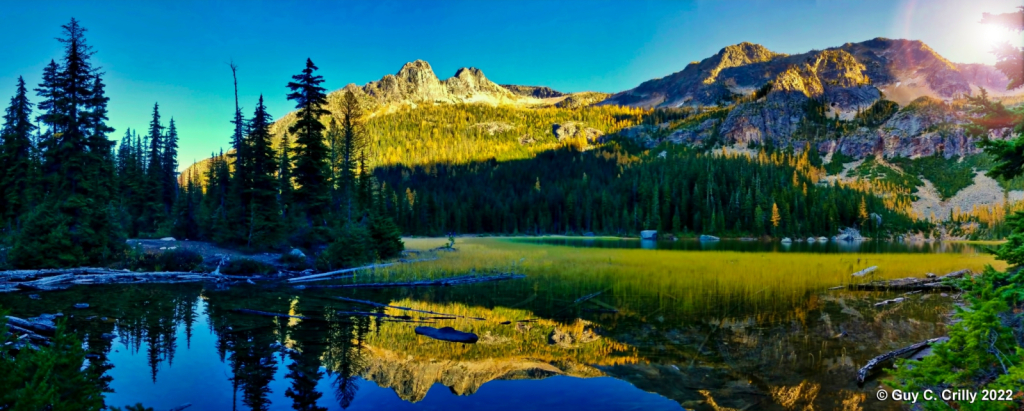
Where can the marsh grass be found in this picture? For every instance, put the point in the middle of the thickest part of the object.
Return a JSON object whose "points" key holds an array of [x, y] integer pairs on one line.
{"points": [[676, 282]]}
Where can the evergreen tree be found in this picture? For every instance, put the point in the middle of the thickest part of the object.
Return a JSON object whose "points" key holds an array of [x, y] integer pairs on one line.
{"points": [[352, 144], [154, 208], [16, 158], [264, 228], [285, 183], [73, 225], [312, 196], [170, 165]]}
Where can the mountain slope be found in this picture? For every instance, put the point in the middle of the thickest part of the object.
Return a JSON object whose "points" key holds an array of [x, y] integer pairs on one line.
{"points": [[903, 69]]}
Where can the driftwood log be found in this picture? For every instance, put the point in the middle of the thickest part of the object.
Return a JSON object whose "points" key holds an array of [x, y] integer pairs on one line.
{"points": [[328, 275], [911, 283], [863, 373], [441, 282], [861, 273], [38, 328], [51, 278]]}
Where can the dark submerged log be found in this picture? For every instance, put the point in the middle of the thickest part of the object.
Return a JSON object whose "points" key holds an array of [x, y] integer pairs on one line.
{"points": [[376, 304], [863, 373], [268, 314], [448, 334]]}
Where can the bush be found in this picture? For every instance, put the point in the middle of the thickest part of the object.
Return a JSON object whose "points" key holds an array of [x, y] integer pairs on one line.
{"points": [[247, 266], [136, 259], [294, 262], [352, 246], [387, 238], [48, 378]]}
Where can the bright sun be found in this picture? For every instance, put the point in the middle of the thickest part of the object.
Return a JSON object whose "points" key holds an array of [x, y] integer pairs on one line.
{"points": [[992, 35]]}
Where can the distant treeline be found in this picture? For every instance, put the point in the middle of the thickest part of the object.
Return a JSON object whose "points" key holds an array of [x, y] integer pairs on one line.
{"points": [[611, 191]]}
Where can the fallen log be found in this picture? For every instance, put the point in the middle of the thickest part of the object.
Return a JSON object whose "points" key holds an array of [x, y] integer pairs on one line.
{"points": [[912, 283], [892, 301], [587, 297], [376, 304], [443, 282], [863, 373], [22, 274], [328, 275], [861, 273], [373, 314], [44, 329], [268, 314], [28, 334]]}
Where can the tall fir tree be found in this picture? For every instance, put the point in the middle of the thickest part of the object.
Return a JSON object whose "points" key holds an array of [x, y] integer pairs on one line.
{"points": [[312, 197], [170, 164], [49, 90], [352, 142], [264, 223], [154, 209], [16, 185]]}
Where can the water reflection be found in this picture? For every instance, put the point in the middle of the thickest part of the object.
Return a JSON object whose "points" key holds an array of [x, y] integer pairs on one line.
{"points": [[188, 344]]}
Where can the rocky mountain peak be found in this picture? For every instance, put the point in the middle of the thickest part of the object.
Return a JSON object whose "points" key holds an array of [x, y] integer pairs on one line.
{"points": [[737, 55]]}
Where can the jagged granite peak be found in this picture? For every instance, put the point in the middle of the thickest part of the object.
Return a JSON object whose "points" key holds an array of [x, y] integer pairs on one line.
{"points": [[736, 55], [533, 91], [902, 69], [416, 82]]}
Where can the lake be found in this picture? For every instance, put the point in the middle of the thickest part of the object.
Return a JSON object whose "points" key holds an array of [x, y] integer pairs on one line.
{"points": [[595, 325]]}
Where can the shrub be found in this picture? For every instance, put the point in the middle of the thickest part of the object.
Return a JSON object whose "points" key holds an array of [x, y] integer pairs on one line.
{"points": [[352, 246], [247, 266], [136, 259], [48, 378], [294, 262], [387, 238]]}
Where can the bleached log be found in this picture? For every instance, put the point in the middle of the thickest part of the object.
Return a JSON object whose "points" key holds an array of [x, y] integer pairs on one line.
{"points": [[29, 325], [892, 301], [861, 273], [442, 282], [863, 373], [328, 275]]}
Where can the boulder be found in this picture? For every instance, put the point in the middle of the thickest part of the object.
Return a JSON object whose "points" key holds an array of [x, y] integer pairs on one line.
{"points": [[876, 218], [822, 239], [295, 252], [574, 129], [447, 334], [81, 305], [786, 240], [850, 235], [708, 238], [811, 239], [168, 239], [649, 235]]}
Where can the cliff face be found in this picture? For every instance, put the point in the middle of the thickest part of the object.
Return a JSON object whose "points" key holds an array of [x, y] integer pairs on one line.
{"points": [[774, 91]]}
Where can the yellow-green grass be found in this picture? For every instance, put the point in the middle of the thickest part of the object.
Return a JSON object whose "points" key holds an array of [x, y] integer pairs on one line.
{"points": [[691, 282]]}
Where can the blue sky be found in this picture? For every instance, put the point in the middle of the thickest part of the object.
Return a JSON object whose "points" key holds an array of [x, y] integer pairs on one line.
{"points": [[176, 53]]}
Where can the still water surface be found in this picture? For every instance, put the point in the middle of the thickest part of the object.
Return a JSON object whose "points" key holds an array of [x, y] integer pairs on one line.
{"points": [[182, 343]]}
